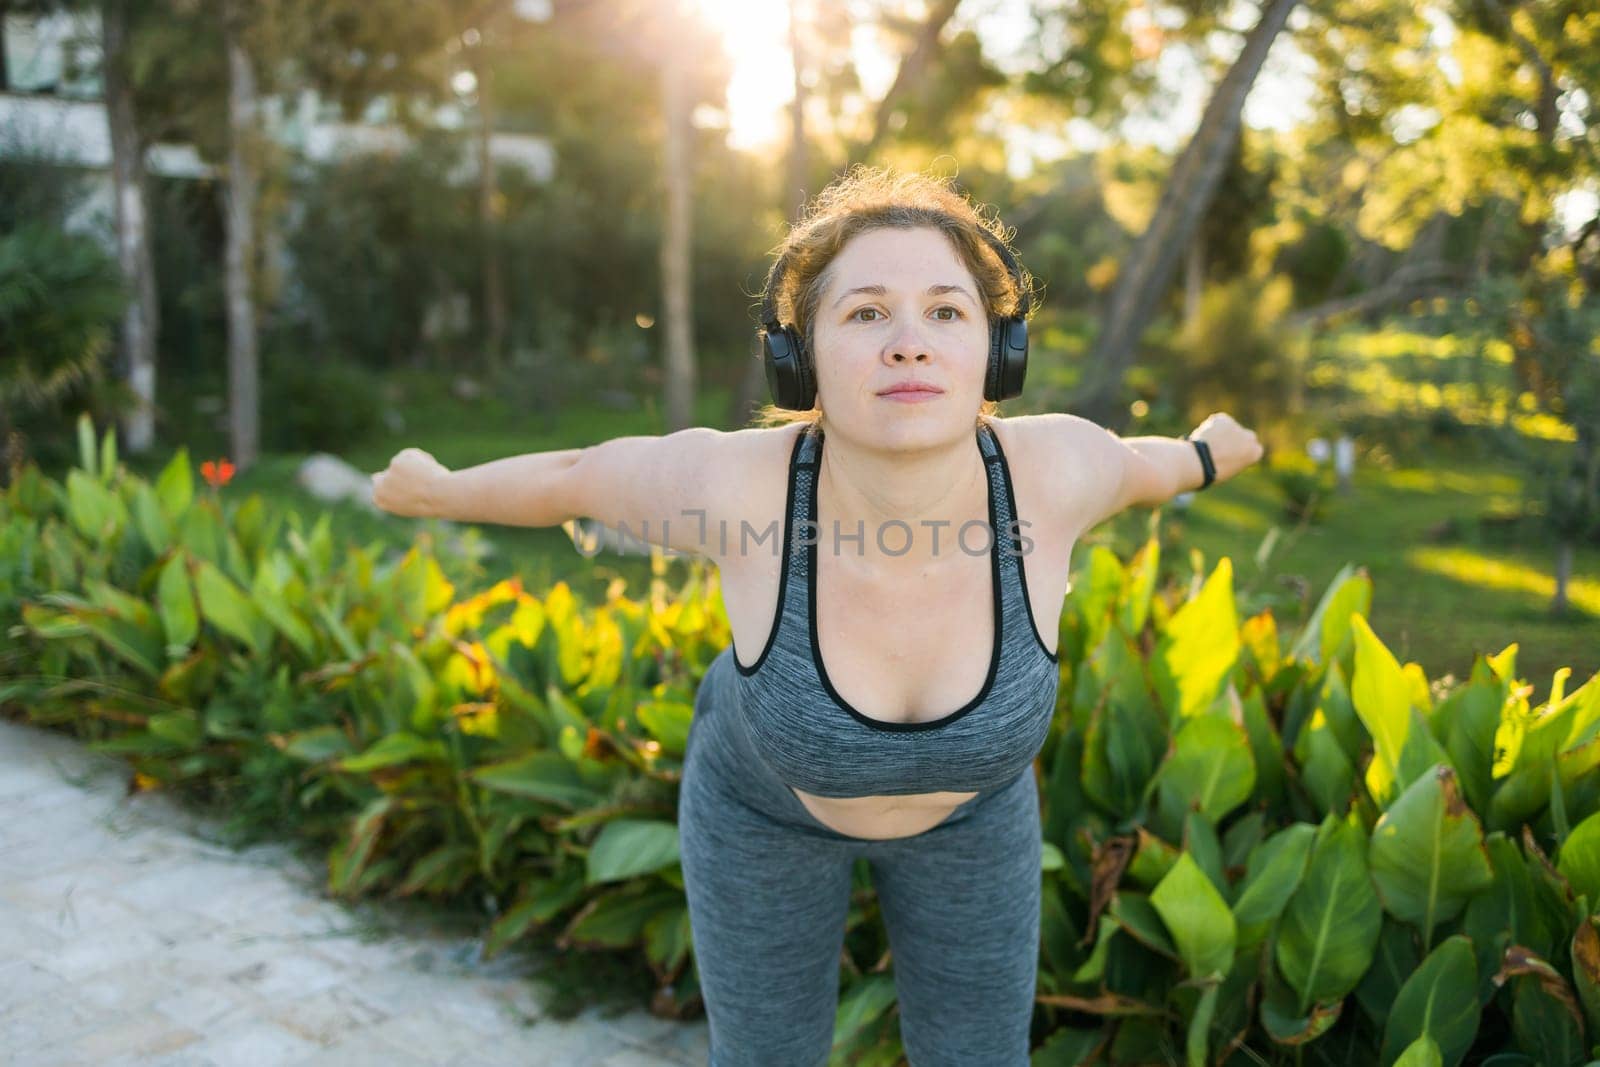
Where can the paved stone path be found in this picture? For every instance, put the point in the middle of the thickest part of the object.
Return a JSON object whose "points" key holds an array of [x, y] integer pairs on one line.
{"points": [[125, 937]]}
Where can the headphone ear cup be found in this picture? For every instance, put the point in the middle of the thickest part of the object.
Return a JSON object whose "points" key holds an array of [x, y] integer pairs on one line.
{"points": [[788, 377], [1008, 359]]}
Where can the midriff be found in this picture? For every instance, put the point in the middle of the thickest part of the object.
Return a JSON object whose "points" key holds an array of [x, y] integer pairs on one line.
{"points": [[878, 818]]}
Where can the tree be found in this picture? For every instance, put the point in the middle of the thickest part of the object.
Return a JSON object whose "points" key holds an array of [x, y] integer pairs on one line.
{"points": [[244, 373], [676, 253], [141, 324], [1147, 270]]}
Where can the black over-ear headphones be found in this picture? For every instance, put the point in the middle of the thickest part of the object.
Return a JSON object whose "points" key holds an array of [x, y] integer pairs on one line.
{"points": [[792, 379]]}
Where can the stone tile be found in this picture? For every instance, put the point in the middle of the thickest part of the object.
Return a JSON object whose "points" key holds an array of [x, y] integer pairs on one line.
{"points": [[19, 934], [78, 912], [639, 1028], [125, 989], [290, 973], [255, 1043], [630, 1057], [130, 1036], [23, 980], [41, 1023], [88, 954], [364, 1052], [431, 1035], [326, 1018], [205, 1006]]}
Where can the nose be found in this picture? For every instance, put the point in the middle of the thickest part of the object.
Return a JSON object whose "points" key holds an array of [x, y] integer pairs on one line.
{"points": [[907, 344]]}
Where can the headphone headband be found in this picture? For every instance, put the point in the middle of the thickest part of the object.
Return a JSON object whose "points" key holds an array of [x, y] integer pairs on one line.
{"points": [[787, 358], [780, 268]]}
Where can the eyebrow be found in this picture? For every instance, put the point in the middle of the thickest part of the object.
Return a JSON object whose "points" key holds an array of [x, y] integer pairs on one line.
{"points": [[880, 290]]}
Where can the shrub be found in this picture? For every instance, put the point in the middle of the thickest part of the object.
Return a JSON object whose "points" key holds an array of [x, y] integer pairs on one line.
{"points": [[1260, 845], [1306, 487], [319, 405]]}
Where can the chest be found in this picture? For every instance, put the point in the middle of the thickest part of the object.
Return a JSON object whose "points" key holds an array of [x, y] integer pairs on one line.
{"points": [[908, 648]]}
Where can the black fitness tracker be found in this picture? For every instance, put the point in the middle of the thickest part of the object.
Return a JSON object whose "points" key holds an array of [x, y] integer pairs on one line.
{"points": [[1206, 465]]}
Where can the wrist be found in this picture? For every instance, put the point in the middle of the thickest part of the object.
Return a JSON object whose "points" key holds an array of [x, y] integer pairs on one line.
{"points": [[1208, 468], [440, 492]]}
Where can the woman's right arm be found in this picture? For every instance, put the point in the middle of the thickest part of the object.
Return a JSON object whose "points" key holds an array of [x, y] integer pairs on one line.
{"points": [[666, 490]]}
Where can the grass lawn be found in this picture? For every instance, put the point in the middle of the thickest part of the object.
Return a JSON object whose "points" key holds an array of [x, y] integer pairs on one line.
{"points": [[1434, 602]]}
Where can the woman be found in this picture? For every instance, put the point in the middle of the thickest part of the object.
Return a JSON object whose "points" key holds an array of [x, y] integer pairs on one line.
{"points": [[893, 600]]}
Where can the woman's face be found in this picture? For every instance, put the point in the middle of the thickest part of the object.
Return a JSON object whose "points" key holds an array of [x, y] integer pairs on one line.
{"points": [[900, 308]]}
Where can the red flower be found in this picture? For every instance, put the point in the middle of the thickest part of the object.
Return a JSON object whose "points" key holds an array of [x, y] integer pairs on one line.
{"points": [[217, 473]]}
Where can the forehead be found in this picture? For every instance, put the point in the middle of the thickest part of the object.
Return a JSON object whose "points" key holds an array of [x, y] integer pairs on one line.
{"points": [[893, 257]]}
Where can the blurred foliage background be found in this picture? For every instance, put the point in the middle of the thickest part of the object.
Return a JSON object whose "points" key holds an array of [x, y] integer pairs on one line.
{"points": [[470, 225]]}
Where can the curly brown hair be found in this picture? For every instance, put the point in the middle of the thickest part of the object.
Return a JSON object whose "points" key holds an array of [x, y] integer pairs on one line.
{"points": [[873, 198]]}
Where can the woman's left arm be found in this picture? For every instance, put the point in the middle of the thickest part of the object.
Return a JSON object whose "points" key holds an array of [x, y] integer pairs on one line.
{"points": [[1149, 471]]}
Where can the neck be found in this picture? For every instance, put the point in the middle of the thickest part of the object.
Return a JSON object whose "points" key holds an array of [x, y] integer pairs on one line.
{"points": [[933, 491]]}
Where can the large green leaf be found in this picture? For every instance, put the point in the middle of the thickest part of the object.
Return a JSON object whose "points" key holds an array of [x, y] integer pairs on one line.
{"points": [[175, 485], [1536, 742], [176, 604], [1284, 1018], [1505, 913], [1133, 608], [1126, 735], [392, 750], [1325, 769], [1423, 1052], [1396, 957], [668, 722], [543, 775], [1210, 767], [625, 848], [1273, 873], [1586, 969], [150, 520], [1427, 854], [1579, 862], [1199, 646], [1545, 1016], [1330, 926], [98, 513], [1439, 1000], [1467, 720], [617, 919], [1383, 695], [1198, 918], [1327, 631], [863, 1003], [224, 606]]}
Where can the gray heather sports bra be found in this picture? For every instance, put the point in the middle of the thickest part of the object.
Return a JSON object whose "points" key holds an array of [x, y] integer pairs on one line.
{"points": [[816, 742]]}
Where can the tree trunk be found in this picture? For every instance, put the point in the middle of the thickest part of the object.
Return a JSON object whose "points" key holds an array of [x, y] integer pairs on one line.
{"points": [[141, 315], [1558, 606], [753, 383], [1194, 279], [1148, 269], [910, 73], [676, 265], [494, 289], [244, 405]]}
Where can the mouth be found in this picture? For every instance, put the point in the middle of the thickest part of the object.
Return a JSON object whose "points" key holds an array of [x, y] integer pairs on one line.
{"points": [[912, 392]]}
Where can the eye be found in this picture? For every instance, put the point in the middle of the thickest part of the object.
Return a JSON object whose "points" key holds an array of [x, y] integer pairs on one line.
{"points": [[956, 312], [855, 315]]}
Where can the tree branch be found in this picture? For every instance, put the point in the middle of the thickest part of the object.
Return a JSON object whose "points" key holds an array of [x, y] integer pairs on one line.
{"points": [[912, 70]]}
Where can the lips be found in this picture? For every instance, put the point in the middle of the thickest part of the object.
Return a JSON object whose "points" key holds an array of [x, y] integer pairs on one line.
{"points": [[912, 389]]}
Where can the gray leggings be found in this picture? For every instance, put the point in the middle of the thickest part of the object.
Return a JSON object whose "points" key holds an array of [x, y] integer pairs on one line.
{"points": [[769, 886]]}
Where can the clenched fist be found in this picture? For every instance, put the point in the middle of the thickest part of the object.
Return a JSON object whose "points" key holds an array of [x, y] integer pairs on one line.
{"points": [[1233, 448], [410, 485]]}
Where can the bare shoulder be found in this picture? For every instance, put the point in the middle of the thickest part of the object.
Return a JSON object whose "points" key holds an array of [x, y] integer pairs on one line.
{"points": [[751, 472], [1071, 463]]}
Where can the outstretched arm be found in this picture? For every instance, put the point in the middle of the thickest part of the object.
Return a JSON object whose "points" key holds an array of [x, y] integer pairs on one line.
{"points": [[1124, 472], [651, 485]]}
